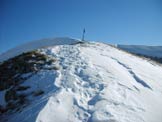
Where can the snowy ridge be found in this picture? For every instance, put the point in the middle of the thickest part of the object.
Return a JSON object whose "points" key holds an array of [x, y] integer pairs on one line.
{"points": [[99, 83], [96, 83], [91, 90], [35, 45]]}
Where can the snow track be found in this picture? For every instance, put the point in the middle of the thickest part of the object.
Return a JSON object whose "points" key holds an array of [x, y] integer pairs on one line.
{"points": [[80, 81]]}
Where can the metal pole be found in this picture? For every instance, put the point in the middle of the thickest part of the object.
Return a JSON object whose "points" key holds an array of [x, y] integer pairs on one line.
{"points": [[83, 34]]}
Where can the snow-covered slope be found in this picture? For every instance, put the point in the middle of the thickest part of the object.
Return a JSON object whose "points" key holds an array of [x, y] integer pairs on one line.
{"points": [[36, 45], [95, 83], [154, 51]]}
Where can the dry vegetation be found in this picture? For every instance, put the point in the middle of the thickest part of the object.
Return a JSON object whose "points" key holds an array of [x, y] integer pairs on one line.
{"points": [[11, 79]]}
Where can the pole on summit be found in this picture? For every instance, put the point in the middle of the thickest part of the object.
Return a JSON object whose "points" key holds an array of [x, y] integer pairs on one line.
{"points": [[83, 34]]}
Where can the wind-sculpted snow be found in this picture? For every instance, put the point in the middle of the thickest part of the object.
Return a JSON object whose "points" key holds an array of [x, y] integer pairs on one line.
{"points": [[99, 83], [97, 88], [134, 75]]}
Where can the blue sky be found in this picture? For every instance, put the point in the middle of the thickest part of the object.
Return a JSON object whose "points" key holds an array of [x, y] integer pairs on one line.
{"points": [[111, 21]]}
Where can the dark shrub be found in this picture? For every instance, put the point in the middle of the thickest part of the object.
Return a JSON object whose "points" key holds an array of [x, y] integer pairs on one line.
{"points": [[10, 105], [10, 95], [22, 88], [2, 109], [38, 92]]}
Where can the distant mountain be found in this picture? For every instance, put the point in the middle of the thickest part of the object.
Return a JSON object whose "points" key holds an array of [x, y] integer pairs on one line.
{"points": [[151, 52], [66, 80], [33, 45], [154, 51]]}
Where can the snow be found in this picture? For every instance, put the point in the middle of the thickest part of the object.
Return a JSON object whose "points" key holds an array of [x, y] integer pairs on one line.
{"points": [[101, 89], [155, 51], [96, 83]]}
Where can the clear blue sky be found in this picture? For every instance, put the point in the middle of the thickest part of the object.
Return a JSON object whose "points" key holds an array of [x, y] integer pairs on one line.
{"points": [[112, 21]]}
